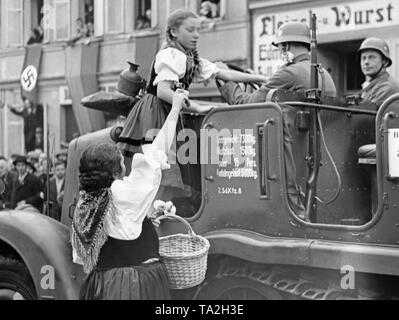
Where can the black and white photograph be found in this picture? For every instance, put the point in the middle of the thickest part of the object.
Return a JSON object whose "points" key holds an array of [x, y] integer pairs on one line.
{"points": [[199, 154]]}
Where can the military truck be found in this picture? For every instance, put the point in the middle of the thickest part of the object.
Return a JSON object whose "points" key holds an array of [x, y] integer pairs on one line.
{"points": [[260, 249], [346, 156]]}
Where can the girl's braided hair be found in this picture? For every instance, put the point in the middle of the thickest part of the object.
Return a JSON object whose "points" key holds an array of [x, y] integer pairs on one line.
{"points": [[98, 166], [175, 20]]}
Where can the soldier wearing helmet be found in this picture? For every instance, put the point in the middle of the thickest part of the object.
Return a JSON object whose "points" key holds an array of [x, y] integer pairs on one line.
{"points": [[293, 40], [374, 60]]}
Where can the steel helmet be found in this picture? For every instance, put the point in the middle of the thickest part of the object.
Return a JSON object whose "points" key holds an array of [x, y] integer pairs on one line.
{"points": [[293, 32], [130, 83], [379, 45]]}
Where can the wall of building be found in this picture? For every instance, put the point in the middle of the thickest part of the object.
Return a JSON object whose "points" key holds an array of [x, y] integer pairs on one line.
{"points": [[230, 33]]}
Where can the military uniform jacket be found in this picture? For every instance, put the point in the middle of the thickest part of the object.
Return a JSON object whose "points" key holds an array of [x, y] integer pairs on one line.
{"points": [[294, 76], [380, 89]]}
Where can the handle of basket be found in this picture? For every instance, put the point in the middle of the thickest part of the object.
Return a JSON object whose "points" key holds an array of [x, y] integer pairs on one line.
{"points": [[177, 218]]}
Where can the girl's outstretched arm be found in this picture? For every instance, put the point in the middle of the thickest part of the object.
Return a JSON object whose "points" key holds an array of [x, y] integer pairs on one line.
{"points": [[165, 91], [165, 137], [236, 76]]}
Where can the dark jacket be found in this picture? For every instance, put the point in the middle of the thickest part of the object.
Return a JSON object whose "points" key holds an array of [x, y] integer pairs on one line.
{"points": [[294, 76], [5, 199], [55, 208], [31, 122], [380, 89], [29, 191]]}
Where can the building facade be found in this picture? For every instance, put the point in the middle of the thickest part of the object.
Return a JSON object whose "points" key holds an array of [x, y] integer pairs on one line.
{"points": [[123, 30]]}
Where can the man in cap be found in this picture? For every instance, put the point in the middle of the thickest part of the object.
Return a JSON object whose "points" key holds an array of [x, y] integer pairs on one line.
{"points": [[294, 42], [26, 191], [62, 156], [374, 60]]}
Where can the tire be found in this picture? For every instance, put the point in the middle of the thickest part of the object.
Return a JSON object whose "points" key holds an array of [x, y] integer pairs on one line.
{"points": [[15, 281], [237, 288]]}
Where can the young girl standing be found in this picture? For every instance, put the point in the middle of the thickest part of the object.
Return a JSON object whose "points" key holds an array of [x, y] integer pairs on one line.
{"points": [[176, 65]]}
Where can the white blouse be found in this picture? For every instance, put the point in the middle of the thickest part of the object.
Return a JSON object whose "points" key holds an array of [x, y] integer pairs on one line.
{"points": [[133, 197], [171, 64]]}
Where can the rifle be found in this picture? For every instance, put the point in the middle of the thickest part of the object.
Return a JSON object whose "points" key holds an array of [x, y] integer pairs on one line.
{"points": [[314, 158]]}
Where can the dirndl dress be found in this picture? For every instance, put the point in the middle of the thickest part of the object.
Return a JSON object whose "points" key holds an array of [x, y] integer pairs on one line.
{"points": [[129, 270], [150, 113]]}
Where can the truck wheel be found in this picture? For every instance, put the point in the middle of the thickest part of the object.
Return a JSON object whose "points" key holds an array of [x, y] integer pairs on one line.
{"points": [[237, 288], [15, 281]]}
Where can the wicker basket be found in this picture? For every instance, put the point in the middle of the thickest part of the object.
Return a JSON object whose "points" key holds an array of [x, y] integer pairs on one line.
{"points": [[185, 256]]}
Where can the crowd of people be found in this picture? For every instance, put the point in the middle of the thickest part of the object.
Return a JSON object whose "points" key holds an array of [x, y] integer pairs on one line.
{"points": [[27, 186]]}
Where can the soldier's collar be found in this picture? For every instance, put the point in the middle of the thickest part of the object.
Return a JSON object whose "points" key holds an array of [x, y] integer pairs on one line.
{"points": [[299, 58], [302, 57]]}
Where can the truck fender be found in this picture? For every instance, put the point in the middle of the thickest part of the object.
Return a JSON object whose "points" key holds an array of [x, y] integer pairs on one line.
{"points": [[257, 248], [43, 244], [250, 246]]}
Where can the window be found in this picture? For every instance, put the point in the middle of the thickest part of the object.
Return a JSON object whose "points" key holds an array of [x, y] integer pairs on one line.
{"points": [[143, 14], [56, 20], [12, 126], [343, 60], [39, 12], [89, 17], [114, 16], [212, 9], [14, 22]]}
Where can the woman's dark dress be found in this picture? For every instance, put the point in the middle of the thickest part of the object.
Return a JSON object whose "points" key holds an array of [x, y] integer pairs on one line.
{"points": [[121, 275]]}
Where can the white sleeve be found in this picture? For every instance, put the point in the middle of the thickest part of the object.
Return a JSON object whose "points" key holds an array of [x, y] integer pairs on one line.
{"points": [[170, 65], [134, 195], [209, 71]]}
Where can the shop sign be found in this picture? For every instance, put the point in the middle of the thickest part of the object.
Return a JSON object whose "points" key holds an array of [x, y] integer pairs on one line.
{"points": [[350, 16]]}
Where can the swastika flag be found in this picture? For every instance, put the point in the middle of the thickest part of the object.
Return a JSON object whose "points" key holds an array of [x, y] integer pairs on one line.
{"points": [[30, 73]]}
